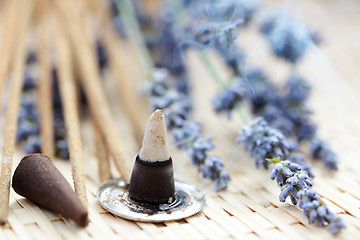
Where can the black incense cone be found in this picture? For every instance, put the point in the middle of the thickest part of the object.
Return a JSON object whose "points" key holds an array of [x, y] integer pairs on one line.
{"points": [[152, 181], [152, 178], [37, 179]]}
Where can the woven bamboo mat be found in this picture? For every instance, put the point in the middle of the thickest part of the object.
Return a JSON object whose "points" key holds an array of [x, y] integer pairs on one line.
{"points": [[249, 209]]}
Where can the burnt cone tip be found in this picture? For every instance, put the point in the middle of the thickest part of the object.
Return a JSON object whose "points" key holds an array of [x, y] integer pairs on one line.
{"points": [[37, 179]]}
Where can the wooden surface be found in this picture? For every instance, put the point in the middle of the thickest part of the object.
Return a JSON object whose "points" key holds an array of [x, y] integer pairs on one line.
{"points": [[249, 209]]}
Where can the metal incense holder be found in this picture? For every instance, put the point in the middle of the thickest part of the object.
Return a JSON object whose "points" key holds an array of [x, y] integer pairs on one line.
{"points": [[113, 195]]}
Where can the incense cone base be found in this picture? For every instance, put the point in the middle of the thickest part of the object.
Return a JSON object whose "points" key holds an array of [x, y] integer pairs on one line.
{"points": [[152, 182], [37, 179]]}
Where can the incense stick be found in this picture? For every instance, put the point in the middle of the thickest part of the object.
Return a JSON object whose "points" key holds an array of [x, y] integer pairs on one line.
{"points": [[122, 75], [13, 107], [68, 98], [7, 43], [102, 155], [45, 92], [91, 83]]}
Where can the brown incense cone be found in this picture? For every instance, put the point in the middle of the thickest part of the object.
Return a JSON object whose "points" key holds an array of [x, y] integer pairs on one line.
{"points": [[152, 178], [37, 179]]}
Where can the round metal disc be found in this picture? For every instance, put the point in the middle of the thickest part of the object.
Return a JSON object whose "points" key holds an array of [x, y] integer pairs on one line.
{"points": [[113, 195]]}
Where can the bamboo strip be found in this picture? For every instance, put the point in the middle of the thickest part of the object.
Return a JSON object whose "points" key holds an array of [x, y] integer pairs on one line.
{"points": [[187, 228], [35, 231], [41, 220], [101, 226], [92, 86], [72, 123], [45, 91], [17, 226], [23, 216], [7, 43], [66, 232], [151, 229], [13, 108], [224, 222], [207, 227], [264, 212]]}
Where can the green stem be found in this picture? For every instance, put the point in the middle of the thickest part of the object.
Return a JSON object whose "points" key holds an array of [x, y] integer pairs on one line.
{"points": [[132, 28], [244, 116], [210, 67]]}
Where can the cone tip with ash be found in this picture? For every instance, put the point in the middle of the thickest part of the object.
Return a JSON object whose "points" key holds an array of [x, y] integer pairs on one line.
{"points": [[155, 145]]}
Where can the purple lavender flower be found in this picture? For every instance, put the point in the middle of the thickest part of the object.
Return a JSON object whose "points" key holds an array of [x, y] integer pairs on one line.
{"points": [[31, 57], [290, 177], [295, 109], [288, 38], [30, 79], [221, 182], [158, 84], [298, 158], [211, 167], [287, 112], [116, 19], [221, 33], [226, 100], [317, 211], [296, 183], [61, 147], [275, 116], [262, 90], [32, 144], [221, 37], [298, 89], [28, 129], [187, 133], [175, 105], [199, 148], [321, 150], [167, 44], [102, 57], [263, 142]]}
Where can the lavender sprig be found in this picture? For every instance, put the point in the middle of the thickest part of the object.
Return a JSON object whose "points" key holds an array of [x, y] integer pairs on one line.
{"points": [[262, 141], [288, 38], [321, 150], [227, 100], [317, 211], [290, 177], [295, 183], [287, 112]]}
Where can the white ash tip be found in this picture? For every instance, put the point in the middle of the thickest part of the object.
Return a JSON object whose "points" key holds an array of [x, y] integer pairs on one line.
{"points": [[155, 145]]}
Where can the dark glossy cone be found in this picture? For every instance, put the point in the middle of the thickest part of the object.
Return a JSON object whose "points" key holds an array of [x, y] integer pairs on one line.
{"points": [[37, 179], [152, 182]]}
